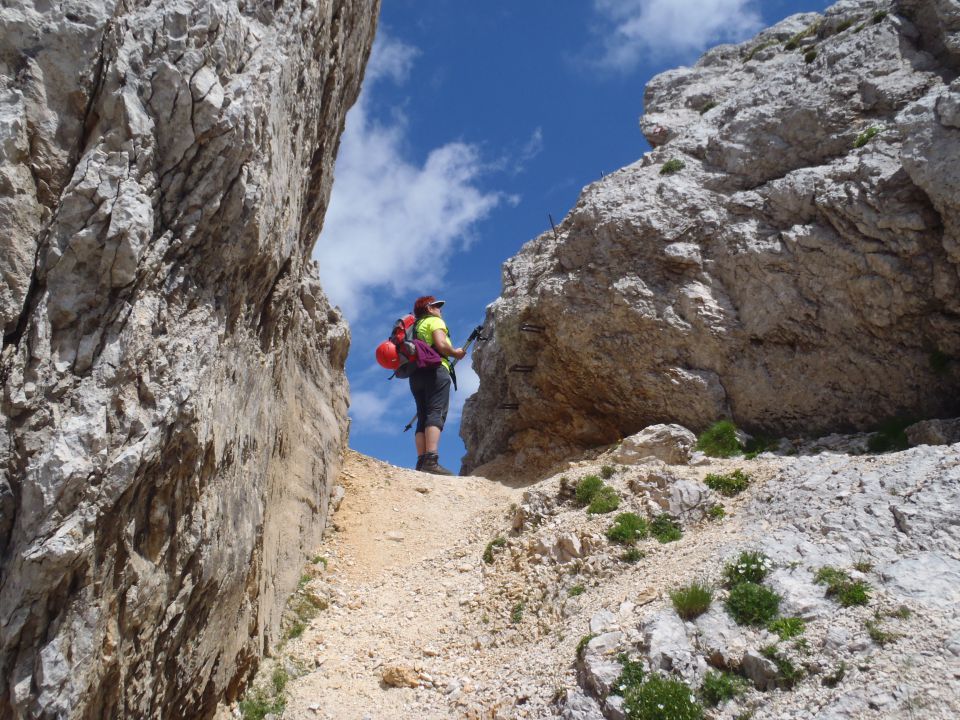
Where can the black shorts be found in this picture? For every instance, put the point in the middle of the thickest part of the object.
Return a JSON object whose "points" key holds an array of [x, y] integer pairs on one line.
{"points": [[431, 391]]}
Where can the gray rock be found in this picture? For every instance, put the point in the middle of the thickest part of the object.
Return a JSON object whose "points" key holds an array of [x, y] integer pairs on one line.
{"points": [[670, 443], [602, 621], [760, 670], [614, 708], [721, 640], [578, 706], [174, 401], [799, 596], [668, 648], [782, 277], [928, 577], [934, 432]]}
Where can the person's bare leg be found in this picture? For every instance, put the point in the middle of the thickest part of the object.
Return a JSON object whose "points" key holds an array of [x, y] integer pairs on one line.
{"points": [[421, 443], [432, 439]]}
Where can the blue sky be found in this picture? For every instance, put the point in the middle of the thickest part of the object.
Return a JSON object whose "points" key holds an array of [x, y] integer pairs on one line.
{"points": [[475, 123]]}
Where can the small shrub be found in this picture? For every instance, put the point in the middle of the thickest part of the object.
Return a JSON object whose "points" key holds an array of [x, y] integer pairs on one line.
{"points": [[516, 613], [587, 488], [491, 546], [878, 17], [633, 555], [788, 627], [750, 566], [716, 512], [866, 136], [720, 440], [672, 166], [863, 566], [720, 686], [658, 697], [606, 472], [631, 675], [576, 590], [296, 629], [665, 529], [757, 48], [710, 105], [845, 25], [842, 588], [584, 641], [604, 501], [878, 635], [788, 674], [627, 528], [256, 705], [759, 444], [320, 560], [729, 484], [691, 601], [834, 678], [902, 612], [794, 42], [279, 680], [752, 604], [810, 56], [304, 579]]}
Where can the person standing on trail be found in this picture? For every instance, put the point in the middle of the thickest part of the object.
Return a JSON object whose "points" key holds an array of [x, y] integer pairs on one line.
{"points": [[431, 385]]}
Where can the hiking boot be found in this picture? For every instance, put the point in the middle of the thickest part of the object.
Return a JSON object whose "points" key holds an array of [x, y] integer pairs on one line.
{"points": [[419, 462], [431, 464]]}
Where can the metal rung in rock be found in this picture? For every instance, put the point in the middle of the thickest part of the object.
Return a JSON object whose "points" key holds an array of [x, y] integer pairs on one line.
{"points": [[527, 327], [522, 368], [509, 406]]}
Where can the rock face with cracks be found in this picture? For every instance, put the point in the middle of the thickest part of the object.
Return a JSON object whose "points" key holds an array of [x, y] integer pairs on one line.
{"points": [[174, 402], [788, 255]]}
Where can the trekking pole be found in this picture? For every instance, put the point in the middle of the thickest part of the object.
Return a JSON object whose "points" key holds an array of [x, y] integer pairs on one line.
{"points": [[475, 335]]}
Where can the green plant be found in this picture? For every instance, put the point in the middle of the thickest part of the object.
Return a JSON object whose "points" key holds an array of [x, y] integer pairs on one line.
{"points": [[788, 674], [866, 136], [606, 472], [759, 444], [708, 106], [604, 501], [320, 560], [863, 566], [256, 705], [279, 679], [587, 488], [846, 24], [902, 612], [584, 641], [658, 697], [720, 440], [757, 48], [498, 542], [750, 566], [842, 588], [631, 675], [304, 579], [834, 678], [810, 56], [878, 635], [671, 166], [516, 613], [296, 629], [720, 686], [576, 590], [691, 601], [716, 512], [627, 528], [752, 604], [878, 17], [633, 555], [794, 42], [788, 627], [729, 484], [665, 529]]}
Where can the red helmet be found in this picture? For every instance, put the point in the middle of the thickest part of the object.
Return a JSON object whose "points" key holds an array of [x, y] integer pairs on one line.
{"points": [[387, 355]]}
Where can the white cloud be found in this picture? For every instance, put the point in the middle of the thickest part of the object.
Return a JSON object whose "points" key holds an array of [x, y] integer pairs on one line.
{"points": [[391, 220], [671, 28]]}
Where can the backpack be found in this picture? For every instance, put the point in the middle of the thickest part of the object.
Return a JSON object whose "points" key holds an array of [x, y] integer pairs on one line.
{"points": [[412, 352]]}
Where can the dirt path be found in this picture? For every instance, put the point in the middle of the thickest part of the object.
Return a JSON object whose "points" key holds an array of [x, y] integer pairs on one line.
{"points": [[399, 567]]}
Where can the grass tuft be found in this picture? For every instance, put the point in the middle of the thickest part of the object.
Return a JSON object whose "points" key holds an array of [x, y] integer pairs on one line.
{"points": [[752, 604], [729, 484], [496, 543], [576, 590], [788, 674], [878, 17], [866, 136], [665, 529], [834, 678], [604, 501], [606, 472], [708, 106], [810, 56], [716, 512], [878, 635], [788, 627], [691, 601], [627, 528], [842, 588], [633, 555], [720, 686], [630, 677], [720, 440], [582, 645], [256, 705], [516, 613], [587, 488]]}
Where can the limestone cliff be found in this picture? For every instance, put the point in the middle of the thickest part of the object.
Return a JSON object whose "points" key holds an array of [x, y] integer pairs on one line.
{"points": [[788, 255], [174, 402]]}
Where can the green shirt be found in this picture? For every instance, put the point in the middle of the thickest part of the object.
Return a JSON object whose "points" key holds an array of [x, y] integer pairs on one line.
{"points": [[425, 330]]}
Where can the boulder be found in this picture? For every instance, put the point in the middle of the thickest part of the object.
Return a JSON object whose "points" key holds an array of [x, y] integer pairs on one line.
{"points": [[934, 432], [670, 443]]}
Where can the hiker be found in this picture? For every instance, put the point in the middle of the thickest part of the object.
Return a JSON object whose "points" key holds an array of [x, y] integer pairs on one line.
{"points": [[431, 385]]}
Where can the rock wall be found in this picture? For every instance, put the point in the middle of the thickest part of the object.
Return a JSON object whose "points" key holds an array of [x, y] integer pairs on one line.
{"points": [[796, 272], [174, 401]]}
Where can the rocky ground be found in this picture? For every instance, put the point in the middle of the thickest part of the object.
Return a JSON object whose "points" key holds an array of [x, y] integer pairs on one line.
{"points": [[400, 615]]}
